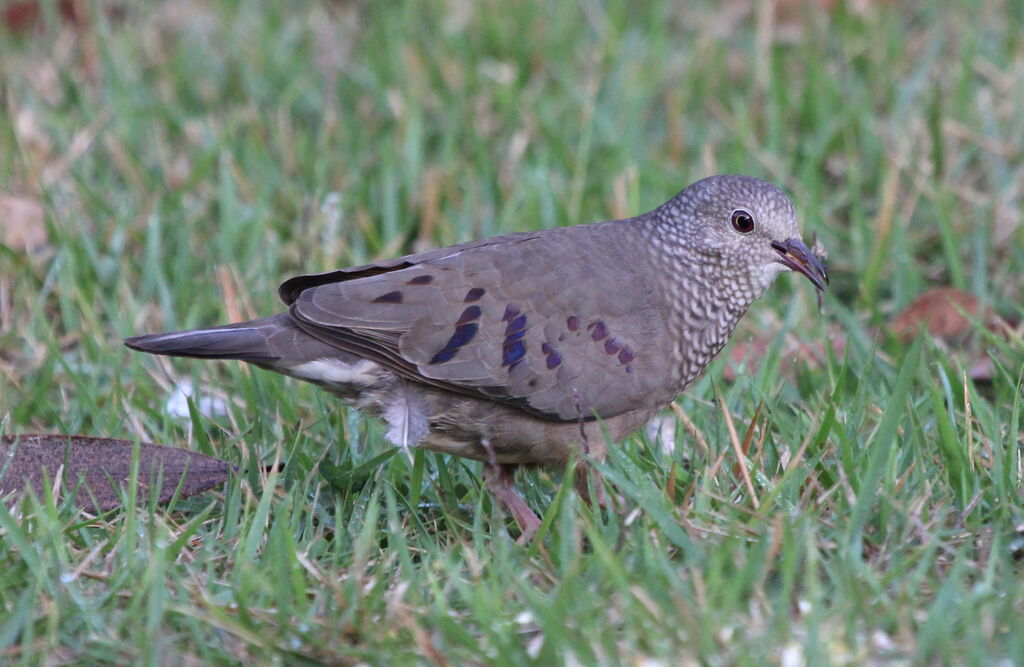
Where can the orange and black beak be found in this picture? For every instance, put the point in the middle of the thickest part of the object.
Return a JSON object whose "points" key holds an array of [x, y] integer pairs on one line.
{"points": [[795, 255]]}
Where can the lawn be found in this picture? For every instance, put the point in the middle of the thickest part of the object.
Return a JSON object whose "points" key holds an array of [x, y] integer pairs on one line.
{"points": [[828, 492]]}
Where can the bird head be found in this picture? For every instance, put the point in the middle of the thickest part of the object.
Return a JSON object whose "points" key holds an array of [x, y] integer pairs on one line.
{"points": [[745, 227]]}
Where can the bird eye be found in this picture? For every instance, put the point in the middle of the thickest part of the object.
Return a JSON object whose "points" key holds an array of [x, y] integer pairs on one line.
{"points": [[742, 221]]}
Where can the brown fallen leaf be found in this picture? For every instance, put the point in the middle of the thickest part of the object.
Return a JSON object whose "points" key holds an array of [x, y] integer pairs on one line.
{"points": [[982, 370], [99, 467], [746, 354], [22, 222], [945, 313], [24, 15]]}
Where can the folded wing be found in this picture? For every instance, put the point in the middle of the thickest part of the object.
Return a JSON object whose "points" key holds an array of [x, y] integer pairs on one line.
{"points": [[525, 319]]}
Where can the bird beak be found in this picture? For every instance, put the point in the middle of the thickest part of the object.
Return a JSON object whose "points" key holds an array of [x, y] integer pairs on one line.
{"points": [[794, 255]]}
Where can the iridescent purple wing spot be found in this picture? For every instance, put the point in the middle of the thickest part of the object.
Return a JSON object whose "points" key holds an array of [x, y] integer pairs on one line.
{"points": [[512, 352], [598, 330], [425, 279], [553, 359], [516, 325], [626, 356], [468, 315], [474, 294], [463, 334], [389, 297]]}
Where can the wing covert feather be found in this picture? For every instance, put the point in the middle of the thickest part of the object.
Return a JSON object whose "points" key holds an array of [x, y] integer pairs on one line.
{"points": [[557, 322]]}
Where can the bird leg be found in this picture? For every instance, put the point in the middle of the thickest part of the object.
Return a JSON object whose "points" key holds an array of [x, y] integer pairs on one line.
{"points": [[499, 478], [583, 476], [584, 472]]}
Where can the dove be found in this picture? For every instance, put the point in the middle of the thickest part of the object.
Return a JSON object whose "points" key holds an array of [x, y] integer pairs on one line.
{"points": [[528, 348]]}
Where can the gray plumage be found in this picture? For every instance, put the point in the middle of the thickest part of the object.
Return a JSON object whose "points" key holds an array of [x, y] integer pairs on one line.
{"points": [[519, 348]]}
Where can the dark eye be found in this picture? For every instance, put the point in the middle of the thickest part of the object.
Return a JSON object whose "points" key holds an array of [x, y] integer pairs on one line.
{"points": [[742, 221]]}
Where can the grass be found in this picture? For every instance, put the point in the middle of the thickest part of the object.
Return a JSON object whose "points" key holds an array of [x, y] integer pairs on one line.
{"points": [[188, 156]]}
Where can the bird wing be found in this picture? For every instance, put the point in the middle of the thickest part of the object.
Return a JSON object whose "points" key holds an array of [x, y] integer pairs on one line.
{"points": [[559, 323]]}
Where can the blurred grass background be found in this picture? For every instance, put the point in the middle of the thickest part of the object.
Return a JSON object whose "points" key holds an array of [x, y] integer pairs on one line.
{"points": [[165, 164]]}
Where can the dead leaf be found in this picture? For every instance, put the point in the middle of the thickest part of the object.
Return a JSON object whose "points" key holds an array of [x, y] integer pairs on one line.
{"points": [[945, 313], [21, 219], [982, 370], [99, 467], [746, 354], [25, 15], [948, 315]]}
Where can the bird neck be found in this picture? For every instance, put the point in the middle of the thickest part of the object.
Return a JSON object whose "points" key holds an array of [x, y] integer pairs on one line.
{"points": [[703, 300]]}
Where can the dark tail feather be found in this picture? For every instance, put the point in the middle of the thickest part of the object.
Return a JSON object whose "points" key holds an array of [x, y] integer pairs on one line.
{"points": [[247, 341]]}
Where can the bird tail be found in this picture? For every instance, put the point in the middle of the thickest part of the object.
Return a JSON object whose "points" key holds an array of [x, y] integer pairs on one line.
{"points": [[252, 341]]}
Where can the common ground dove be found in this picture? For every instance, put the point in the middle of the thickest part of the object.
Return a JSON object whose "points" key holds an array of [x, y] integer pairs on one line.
{"points": [[521, 348]]}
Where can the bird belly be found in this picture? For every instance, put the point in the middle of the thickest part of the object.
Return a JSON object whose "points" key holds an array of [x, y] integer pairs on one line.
{"points": [[489, 432], [421, 416]]}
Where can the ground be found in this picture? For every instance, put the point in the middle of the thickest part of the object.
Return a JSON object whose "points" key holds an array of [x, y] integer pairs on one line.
{"points": [[832, 491]]}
